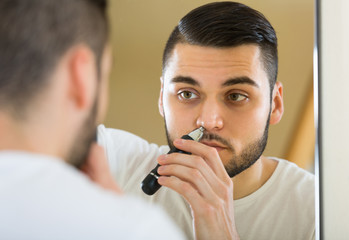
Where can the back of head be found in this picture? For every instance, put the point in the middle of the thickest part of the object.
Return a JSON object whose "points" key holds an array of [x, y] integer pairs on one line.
{"points": [[34, 35], [226, 24]]}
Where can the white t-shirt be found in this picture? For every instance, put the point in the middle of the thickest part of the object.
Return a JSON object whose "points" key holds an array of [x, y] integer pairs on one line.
{"points": [[42, 197], [283, 208]]}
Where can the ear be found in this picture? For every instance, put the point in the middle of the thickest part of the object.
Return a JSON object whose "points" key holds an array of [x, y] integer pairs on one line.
{"points": [[160, 101], [277, 104], [83, 74]]}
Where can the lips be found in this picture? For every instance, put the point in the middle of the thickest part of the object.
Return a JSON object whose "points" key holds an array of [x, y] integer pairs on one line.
{"points": [[214, 144]]}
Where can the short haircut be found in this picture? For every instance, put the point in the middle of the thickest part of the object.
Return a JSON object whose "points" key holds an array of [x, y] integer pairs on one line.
{"points": [[35, 34], [227, 24]]}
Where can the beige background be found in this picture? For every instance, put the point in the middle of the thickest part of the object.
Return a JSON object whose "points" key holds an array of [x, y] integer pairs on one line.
{"points": [[140, 29]]}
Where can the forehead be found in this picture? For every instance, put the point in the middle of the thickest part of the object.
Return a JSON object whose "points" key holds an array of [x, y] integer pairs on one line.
{"points": [[218, 64]]}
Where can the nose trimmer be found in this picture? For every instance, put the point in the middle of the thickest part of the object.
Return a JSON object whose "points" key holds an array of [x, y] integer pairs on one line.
{"points": [[150, 183]]}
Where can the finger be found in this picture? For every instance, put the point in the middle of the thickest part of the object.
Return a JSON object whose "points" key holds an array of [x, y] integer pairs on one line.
{"points": [[186, 190], [191, 161], [192, 176], [209, 154], [195, 163]]}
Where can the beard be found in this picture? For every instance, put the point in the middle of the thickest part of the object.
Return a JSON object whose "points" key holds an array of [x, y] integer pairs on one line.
{"points": [[249, 155], [86, 136], [238, 163]]}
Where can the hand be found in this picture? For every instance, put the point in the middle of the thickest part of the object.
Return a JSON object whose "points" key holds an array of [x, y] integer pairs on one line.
{"points": [[203, 181], [97, 169]]}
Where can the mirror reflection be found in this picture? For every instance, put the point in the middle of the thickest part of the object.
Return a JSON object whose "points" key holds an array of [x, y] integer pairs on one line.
{"points": [[140, 31], [223, 90]]}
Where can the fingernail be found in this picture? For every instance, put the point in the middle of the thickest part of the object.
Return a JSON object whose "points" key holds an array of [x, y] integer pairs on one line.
{"points": [[161, 169], [161, 180], [162, 158], [178, 141]]}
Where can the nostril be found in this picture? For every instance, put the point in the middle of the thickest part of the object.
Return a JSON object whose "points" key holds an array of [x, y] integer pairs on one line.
{"points": [[209, 125]]}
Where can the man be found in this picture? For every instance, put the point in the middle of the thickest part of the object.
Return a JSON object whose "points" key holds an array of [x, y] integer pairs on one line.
{"points": [[54, 65], [219, 72]]}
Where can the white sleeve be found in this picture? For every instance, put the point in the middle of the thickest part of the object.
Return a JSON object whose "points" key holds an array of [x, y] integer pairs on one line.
{"points": [[128, 154]]}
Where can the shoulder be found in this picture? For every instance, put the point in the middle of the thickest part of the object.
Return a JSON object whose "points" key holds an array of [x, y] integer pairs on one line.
{"points": [[57, 197], [107, 134], [111, 213], [120, 139], [295, 185], [289, 171], [295, 188]]}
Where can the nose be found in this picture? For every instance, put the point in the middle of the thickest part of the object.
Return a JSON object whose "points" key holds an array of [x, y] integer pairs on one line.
{"points": [[210, 116]]}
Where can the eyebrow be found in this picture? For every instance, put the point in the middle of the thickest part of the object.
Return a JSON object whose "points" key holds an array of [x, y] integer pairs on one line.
{"points": [[240, 80], [188, 80], [229, 82]]}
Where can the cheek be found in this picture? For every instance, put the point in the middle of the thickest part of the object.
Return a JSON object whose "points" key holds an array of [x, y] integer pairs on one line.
{"points": [[256, 123], [249, 125], [179, 121]]}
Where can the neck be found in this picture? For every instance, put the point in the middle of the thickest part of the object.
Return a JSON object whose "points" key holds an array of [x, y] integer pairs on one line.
{"points": [[26, 136], [254, 177]]}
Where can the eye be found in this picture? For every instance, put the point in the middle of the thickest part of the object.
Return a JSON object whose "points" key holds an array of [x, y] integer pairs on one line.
{"points": [[187, 95], [236, 97]]}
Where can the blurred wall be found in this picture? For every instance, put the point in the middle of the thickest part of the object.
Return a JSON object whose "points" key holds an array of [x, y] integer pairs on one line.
{"points": [[139, 32]]}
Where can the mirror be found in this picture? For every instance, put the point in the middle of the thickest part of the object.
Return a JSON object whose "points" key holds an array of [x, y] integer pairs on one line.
{"points": [[139, 32]]}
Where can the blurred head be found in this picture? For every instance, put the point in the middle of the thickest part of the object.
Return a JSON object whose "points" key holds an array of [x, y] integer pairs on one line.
{"points": [[35, 36], [219, 71]]}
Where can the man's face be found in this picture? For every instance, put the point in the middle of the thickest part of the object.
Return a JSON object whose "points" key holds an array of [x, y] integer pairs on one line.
{"points": [[225, 90], [87, 133]]}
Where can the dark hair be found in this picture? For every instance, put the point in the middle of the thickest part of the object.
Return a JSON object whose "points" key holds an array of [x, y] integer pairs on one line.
{"points": [[227, 24], [35, 34]]}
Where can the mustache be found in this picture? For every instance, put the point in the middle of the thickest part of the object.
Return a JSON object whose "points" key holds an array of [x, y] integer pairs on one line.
{"points": [[212, 136]]}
